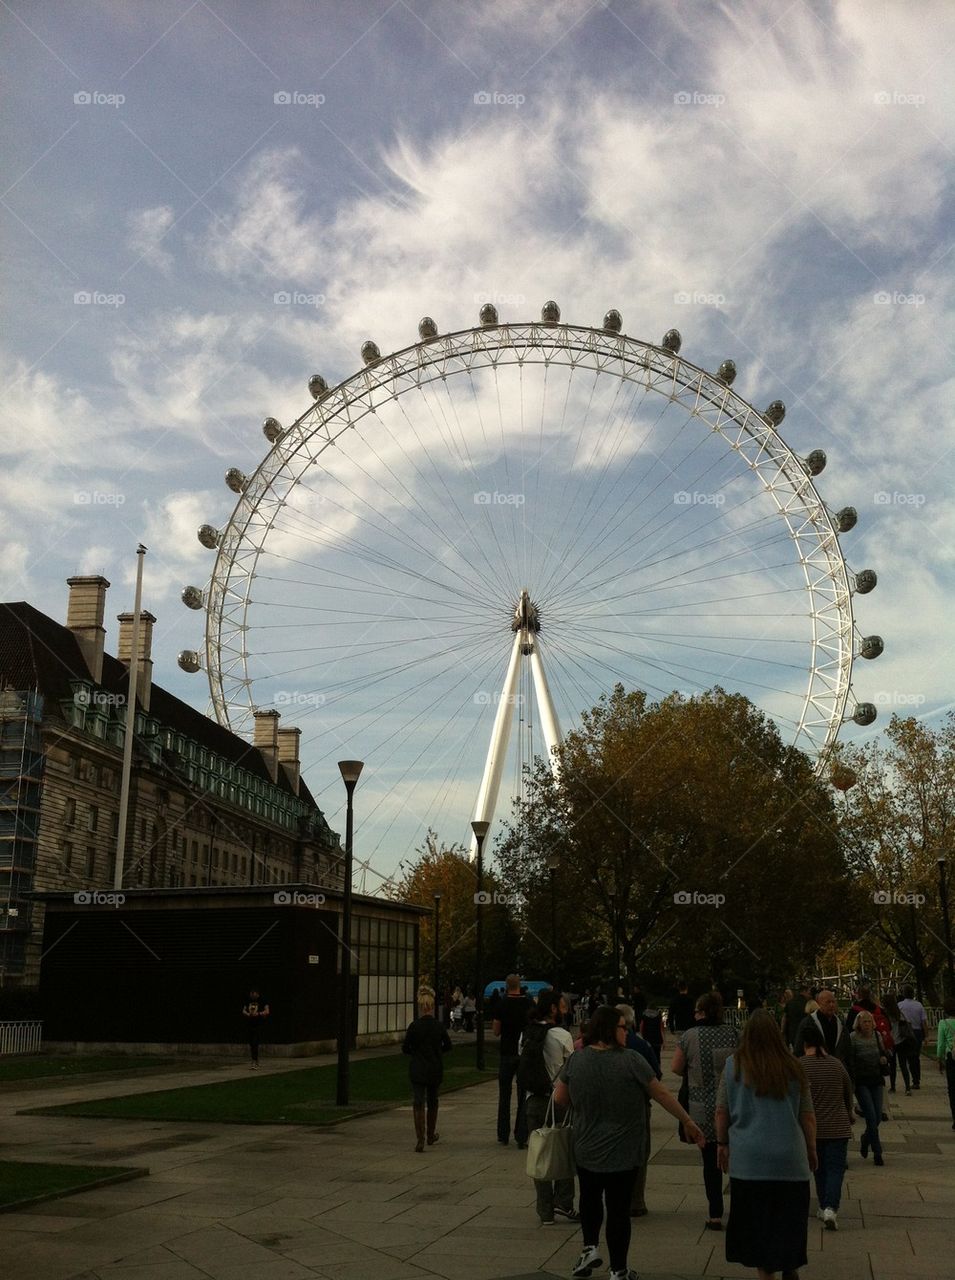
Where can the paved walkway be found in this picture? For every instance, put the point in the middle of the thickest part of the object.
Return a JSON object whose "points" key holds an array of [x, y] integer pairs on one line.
{"points": [[228, 1202]]}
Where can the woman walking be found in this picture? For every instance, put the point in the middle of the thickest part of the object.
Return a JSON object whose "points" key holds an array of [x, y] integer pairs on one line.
{"points": [[607, 1084], [903, 1040], [945, 1050], [831, 1091], [868, 1063], [766, 1135], [425, 1041], [701, 1055], [635, 1041]]}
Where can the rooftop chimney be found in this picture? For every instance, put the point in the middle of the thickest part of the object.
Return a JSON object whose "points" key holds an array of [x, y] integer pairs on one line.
{"points": [[144, 679], [84, 617], [288, 755], [266, 739]]}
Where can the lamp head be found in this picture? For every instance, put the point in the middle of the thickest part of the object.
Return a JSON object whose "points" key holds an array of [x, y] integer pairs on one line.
{"points": [[350, 770], [480, 829]]}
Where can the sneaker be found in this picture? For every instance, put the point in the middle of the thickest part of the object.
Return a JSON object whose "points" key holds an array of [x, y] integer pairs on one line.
{"points": [[821, 1214], [908, 1093], [587, 1262], [568, 1215], [547, 1222], [623, 1275], [829, 1218]]}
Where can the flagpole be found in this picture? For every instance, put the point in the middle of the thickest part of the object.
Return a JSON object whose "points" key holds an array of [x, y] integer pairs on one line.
{"points": [[130, 723]]}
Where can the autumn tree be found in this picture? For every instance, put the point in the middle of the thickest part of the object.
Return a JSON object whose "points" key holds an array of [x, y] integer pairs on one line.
{"points": [[448, 870], [711, 842], [898, 820]]}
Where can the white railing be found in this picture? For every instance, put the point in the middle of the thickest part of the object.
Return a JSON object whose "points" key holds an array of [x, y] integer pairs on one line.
{"points": [[20, 1037]]}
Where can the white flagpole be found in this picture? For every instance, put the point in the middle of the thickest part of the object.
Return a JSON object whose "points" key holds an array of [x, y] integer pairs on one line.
{"points": [[130, 724]]}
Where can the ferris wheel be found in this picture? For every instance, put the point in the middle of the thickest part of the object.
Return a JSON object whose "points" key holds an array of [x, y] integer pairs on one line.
{"points": [[454, 552]]}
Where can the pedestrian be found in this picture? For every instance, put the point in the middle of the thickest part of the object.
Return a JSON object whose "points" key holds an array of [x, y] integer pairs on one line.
{"points": [[635, 1041], [869, 1062], [827, 1020], [766, 1134], [945, 1050], [513, 1012], [651, 1027], [425, 1042], [680, 1012], [914, 1010], [701, 1056], [795, 1012], [607, 1083], [831, 1091], [545, 1047], [903, 1043], [469, 1009], [255, 1011]]}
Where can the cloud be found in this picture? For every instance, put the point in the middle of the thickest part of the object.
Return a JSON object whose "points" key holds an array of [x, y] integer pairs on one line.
{"points": [[147, 230]]}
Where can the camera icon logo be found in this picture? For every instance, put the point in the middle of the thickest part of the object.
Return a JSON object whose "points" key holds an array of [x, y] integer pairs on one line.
{"points": [[483, 898], [82, 99], [83, 898], [282, 898], [482, 98], [682, 898], [282, 98], [881, 897], [282, 298]]}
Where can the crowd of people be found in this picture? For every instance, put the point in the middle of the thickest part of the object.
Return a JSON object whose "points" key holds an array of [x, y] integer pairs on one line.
{"points": [[772, 1105]]}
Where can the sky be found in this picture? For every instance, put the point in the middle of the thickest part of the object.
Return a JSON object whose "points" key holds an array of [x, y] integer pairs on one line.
{"points": [[204, 204]]}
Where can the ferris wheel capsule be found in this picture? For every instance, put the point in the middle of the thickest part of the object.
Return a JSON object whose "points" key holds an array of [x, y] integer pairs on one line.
{"points": [[190, 661], [816, 462], [488, 314], [672, 341], [866, 580], [192, 597], [209, 536], [865, 713], [846, 519], [317, 386], [613, 321], [550, 313], [272, 429], [427, 328], [727, 372], [236, 480], [370, 352], [872, 646], [775, 412]]}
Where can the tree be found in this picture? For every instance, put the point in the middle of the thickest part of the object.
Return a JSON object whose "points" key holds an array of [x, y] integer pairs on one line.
{"points": [[898, 819], [449, 871], [711, 842]]}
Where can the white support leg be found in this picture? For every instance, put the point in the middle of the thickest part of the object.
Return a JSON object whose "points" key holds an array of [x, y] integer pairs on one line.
{"points": [[500, 736], [545, 707]]}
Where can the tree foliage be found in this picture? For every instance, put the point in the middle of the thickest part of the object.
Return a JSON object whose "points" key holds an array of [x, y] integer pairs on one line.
{"points": [[448, 870], [898, 819], [697, 799]]}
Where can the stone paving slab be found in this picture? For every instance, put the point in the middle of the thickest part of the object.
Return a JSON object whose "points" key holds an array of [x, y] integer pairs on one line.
{"points": [[355, 1202]]}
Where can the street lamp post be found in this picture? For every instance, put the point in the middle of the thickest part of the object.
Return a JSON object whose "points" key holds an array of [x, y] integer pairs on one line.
{"points": [[552, 869], [613, 938], [946, 922], [438, 1005], [480, 830], [350, 771]]}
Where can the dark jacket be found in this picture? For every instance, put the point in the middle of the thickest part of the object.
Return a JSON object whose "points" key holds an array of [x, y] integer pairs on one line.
{"points": [[425, 1041], [841, 1050]]}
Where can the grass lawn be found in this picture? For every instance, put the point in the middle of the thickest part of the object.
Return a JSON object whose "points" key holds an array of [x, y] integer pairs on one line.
{"points": [[23, 1182], [290, 1097], [44, 1066]]}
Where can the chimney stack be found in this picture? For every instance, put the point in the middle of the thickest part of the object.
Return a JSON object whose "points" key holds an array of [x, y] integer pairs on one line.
{"points": [[84, 617], [145, 677], [288, 755], [266, 738]]}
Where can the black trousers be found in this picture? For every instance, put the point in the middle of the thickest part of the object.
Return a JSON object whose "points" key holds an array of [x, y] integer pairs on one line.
{"points": [[712, 1180], [506, 1078], [615, 1191]]}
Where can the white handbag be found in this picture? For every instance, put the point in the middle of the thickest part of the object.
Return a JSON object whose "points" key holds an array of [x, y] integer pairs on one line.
{"points": [[550, 1152]]}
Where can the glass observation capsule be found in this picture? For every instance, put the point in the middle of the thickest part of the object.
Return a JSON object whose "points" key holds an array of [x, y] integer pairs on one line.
{"points": [[190, 661], [370, 352], [846, 519], [865, 713], [427, 328], [209, 536], [775, 412], [488, 314], [317, 386], [671, 341], [872, 646], [816, 462], [272, 429], [727, 372], [866, 580], [237, 480], [613, 321], [550, 313], [192, 597]]}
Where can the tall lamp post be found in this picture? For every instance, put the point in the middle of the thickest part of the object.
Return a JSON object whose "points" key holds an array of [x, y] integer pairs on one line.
{"points": [[613, 937], [350, 771], [552, 865], [946, 922], [480, 830], [438, 1003]]}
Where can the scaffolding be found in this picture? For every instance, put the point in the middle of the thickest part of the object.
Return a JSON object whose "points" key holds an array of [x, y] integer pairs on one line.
{"points": [[21, 771]]}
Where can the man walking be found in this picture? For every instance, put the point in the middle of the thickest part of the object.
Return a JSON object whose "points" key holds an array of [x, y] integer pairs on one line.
{"points": [[914, 1010], [795, 1012], [680, 1013], [833, 1029], [510, 1022]]}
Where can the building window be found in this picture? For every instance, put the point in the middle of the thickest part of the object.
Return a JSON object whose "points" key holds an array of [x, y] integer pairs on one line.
{"points": [[69, 815], [114, 824], [92, 818], [91, 862], [66, 854]]}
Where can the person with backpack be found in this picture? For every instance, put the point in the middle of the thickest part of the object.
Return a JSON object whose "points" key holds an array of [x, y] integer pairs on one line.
{"points": [[545, 1047], [903, 1037], [945, 1050]]}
